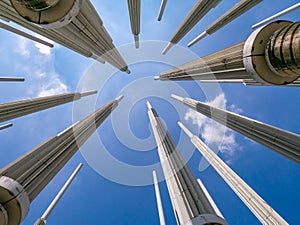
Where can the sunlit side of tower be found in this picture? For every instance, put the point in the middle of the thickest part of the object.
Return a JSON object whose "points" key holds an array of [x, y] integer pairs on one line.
{"points": [[261, 209], [134, 8], [190, 203], [20, 108], [23, 179], [72, 23], [200, 9], [270, 56]]}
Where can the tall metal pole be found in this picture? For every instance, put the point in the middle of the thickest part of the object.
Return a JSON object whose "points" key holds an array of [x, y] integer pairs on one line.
{"points": [[134, 8], [2, 127], [22, 180], [74, 24], [190, 204], [264, 59], [262, 210], [283, 12], [200, 9], [17, 109], [14, 79], [161, 9], [237, 10], [281, 141], [24, 34], [42, 220], [158, 200]]}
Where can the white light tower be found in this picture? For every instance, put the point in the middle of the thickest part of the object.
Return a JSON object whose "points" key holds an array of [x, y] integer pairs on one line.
{"points": [[74, 24], [200, 9], [134, 8], [261, 209], [190, 204], [22, 180], [281, 141], [237, 10], [270, 56], [20, 108]]}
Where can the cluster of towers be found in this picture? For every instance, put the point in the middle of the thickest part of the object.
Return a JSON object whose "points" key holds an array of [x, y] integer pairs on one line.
{"points": [[270, 56]]}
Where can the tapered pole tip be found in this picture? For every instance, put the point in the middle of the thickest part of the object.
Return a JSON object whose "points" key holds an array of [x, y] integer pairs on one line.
{"points": [[149, 105], [201, 36], [167, 48], [119, 98], [177, 97], [188, 133], [86, 93]]}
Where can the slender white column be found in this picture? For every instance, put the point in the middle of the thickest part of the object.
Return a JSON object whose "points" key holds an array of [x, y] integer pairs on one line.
{"points": [[60, 193], [283, 12], [261, 209], [158, 200]]}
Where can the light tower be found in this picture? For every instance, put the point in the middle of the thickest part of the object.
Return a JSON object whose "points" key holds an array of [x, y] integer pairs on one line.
{"points": [[22, 180], [200, 9], [17, 109], [262, 210], [270, 56], [134, 8], [191, 205], [281, 141], [237, 10], [161, 9], [74, 24]]}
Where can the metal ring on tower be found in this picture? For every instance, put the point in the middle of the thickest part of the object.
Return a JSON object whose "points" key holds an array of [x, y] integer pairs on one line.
{"points": [[49, 14], [257, 60]]}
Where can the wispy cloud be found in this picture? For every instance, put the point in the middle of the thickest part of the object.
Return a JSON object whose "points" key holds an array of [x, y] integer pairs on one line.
{"points": [[214, 133], [54, 87], [43, 49], [23, 47]]}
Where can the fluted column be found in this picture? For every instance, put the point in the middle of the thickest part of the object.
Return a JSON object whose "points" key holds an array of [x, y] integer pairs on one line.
{"points": [[73, 23], [22, 180], [134, 8], [261, 209], [281, 141], [17, 109], [190, 204], [200, 9]]}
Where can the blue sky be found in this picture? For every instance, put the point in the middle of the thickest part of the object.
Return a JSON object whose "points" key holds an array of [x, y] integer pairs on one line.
{"points": [[104, 193]]}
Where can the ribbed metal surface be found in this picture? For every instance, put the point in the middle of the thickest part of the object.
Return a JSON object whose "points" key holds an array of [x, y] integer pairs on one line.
{"points": [[224, 64], [281, 141], [85, 34], [200, 9], [284, 50], [24, 107], [188, 200], [237, 10], [36, 169], [261, 209], [38, 5], [134, 8]]}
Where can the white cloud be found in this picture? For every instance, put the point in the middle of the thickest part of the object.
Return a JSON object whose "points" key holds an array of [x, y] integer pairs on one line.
{"points": [[43, 49], [54, 87], [23, 47], [214, 133]]}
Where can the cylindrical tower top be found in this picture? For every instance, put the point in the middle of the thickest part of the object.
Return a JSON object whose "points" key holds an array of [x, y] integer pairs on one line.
{"points": [[39, 5], [283, 51], [47, 13]]}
